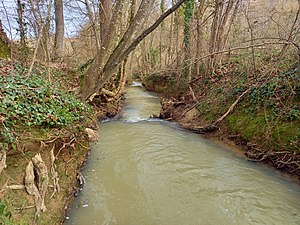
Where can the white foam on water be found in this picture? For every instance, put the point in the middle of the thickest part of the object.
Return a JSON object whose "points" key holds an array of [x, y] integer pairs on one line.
{"points": [[136, 84]]}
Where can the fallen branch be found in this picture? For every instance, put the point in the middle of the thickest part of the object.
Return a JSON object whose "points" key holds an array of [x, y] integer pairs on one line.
{"points": [[107, 92], [85, 147], [26, 207], [203, 130], [16, 187], [50, 141], [189, 109], [192, 93], [231, 107]]}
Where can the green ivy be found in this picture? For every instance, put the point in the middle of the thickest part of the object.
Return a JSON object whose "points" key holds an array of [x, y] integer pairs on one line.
{"points": [[5, 215], [33, 101]]}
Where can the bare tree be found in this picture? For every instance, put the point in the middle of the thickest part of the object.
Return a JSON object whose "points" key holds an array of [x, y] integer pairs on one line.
{"points": [[107, 60], [224, 13], [199, 39], [21, 24], [59, 30]]}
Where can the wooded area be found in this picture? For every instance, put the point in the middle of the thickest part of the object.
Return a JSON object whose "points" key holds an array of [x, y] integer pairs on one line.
{"points": [[235, 62], [190, 48], [193, 42]]}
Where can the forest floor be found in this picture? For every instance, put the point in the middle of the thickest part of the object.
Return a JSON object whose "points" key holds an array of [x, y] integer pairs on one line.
{"points": [[40, 115], [261, 117]]}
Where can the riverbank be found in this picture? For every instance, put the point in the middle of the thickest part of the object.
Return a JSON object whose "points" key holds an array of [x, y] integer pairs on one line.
{"points": [[40, 118], [166, 170], [261, 117]]}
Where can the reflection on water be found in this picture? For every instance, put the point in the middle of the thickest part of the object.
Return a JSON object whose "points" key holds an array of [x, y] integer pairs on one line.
{"points": [[147, 172]]}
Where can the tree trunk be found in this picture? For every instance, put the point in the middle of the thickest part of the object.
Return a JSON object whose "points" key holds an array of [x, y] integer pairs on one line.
{"points": [[199, 39], [188, 14], [21, 24], [59, 30], [123, 74], [162, 8], [224, 15], [105, 65], [105, 17], [3, 35]]}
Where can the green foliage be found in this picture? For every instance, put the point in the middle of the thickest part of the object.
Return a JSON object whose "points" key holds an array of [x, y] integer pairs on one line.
{"points": [[4, 50], [5, 214], [34, 102], [268, 115], [270, 133], [84, 66]]}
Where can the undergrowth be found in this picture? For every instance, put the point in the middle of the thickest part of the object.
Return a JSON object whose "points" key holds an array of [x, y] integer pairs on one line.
{"points": [[5, 214], [33, 101], [4, 50], [269, 114]]}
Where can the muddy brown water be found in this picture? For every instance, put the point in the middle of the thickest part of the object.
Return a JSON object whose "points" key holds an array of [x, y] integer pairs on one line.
{"points": [[150, 172]]}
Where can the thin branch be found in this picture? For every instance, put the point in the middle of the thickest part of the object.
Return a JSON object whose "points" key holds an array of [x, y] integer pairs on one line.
{"points": [[39, 39]]}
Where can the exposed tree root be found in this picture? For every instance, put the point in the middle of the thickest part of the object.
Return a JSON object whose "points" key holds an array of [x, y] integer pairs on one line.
{"points": [[284, 160], [2, 160], [54, 174], [31, 187], [36, 182], [92, 134]]}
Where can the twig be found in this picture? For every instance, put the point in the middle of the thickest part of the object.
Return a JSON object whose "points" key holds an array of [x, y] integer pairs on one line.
{"points": [[26, 207], [39, 40], [192, 93]]}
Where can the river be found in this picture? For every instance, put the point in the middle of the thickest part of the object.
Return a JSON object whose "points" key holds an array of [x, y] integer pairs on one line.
{"points": [[150, 172]]}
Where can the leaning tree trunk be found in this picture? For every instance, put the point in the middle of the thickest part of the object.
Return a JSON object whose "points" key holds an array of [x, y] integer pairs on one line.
{"points": [[106, 64], [123, 74]]}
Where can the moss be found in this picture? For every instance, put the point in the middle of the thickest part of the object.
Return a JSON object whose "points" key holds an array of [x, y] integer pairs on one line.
{"points": [[4, 50], [209, 117], [287, 135], [247, 125], [254, 127]]}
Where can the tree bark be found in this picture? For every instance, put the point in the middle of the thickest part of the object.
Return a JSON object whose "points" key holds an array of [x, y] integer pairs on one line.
{"points": [[199, 40], [3, 35], [105, 17], [188, 15], [21, 24], [59, 30], [224, 15]]}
